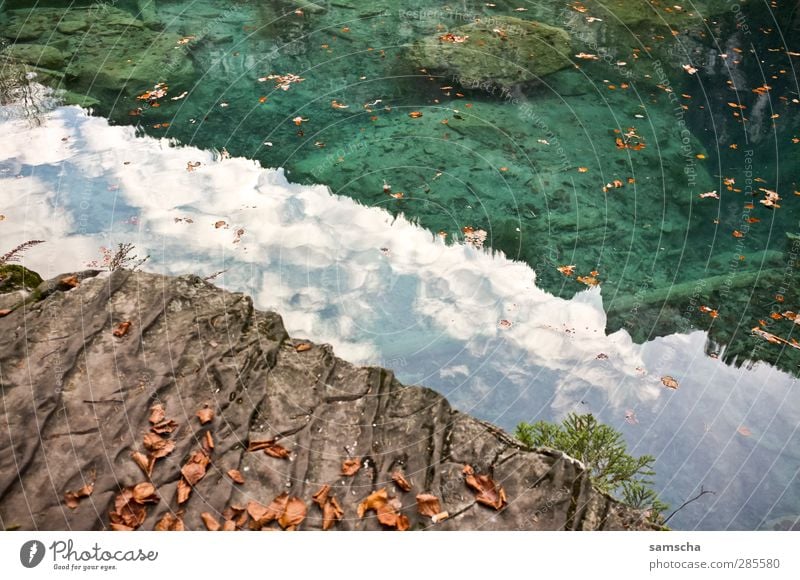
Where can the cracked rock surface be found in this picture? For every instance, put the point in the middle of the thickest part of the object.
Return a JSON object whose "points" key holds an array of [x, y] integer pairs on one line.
{"points": [[76, 401]]}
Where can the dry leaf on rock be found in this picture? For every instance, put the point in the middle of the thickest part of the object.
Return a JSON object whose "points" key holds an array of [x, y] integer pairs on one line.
{"points": [[210, 521], [122, 329], [170, 522], [351, 466], [205, 415], [158, 446], [157, 414], [235, 475], [428, 505], [72, 499], [145, 462], [166, 426], [332, 512], [486, 489], [401, 481], [269, 447], [195, 468], [294, 513], [184, 491]]}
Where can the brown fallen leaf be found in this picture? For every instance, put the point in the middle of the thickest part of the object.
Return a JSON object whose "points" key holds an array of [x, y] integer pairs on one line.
{"points": [[669, 382], [69, 282], [401, 481], [386, 508], [303, 347], [144, 492], [145, 462], [162, 427], [210, 521], [487, 491], [5, 312], [237, 514], [122, 329], [332, 512], [373, 501], [428, 505], [229, 526], [72, 499], [184, 491], [158, 446], [351, 466], [235, 475], [269, 447], [170, 522], [205, 415], [208, 442], [195, 468], [121, 528], [294, 513], [157, 414]]}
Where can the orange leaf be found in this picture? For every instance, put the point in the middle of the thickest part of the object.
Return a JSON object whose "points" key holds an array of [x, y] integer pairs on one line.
{"points": [[303, 347], [428, 504], [351, 466], [294, 513], [145, 462], [487, 491], [157, 414], [184, 491], [73, 498], [270, 448], [158, 446], [332, 512], [122, 329], [205, 415], [669, 382], [373, 501], [208, 442], [210, 521], [401, 481], [195, 468], [235, 475]]}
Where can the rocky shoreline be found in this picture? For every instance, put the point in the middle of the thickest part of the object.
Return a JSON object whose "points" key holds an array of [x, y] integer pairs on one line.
{"points": [[140, 401]]}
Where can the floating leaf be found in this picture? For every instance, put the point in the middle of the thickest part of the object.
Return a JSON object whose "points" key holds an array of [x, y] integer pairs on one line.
{"points": [[669, 382]]}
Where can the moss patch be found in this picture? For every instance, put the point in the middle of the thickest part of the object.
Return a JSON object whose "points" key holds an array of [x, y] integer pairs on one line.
{"points": [[14, 277]]}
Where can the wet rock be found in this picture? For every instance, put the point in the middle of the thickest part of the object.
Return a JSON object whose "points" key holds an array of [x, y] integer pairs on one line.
{"points": [[503, 51], [36, 55], [73, 366]]}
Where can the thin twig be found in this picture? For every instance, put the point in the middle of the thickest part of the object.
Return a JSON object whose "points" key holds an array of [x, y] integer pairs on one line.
{"points": [[688, 501]]}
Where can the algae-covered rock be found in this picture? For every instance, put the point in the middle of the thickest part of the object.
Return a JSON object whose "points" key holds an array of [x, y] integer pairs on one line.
{"points": [[502, 51], [15, 277], [100, 49], [36, 55]]}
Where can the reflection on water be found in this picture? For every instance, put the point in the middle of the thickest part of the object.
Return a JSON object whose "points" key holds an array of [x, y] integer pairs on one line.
{"points": [[600, 164], [384, 291]]}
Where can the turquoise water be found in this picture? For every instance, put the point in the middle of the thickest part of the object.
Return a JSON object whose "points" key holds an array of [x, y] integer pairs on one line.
{"points": [[526, 163]]}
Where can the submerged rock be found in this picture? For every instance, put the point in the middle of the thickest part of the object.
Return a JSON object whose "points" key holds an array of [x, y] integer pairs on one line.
{"points": [[157, 350], [98, 48], [503, 51]]}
